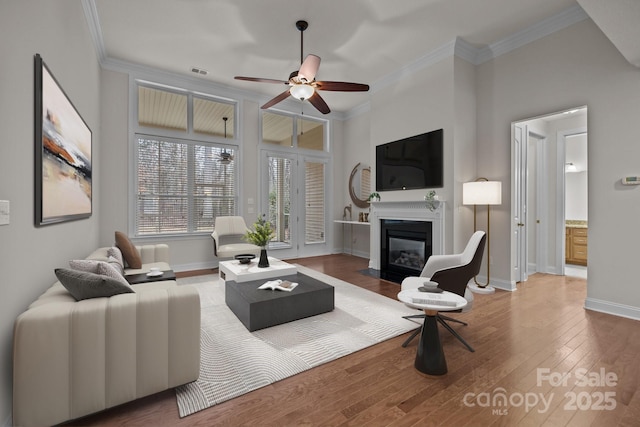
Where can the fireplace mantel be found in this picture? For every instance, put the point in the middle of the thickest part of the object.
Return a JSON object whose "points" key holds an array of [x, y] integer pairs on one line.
{"points": [[410, 211]]}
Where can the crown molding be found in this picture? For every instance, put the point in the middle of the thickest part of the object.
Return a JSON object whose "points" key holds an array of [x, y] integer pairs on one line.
{"points": [[558, 22], [465, 50], [431, 58], [358, 110], [93, 22]]}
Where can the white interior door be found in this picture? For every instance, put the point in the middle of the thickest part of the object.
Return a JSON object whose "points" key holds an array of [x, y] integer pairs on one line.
{"points": [[520, 135]]}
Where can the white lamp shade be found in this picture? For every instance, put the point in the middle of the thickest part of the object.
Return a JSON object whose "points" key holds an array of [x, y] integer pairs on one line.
{"points": [[301, 91], [482, 193]]}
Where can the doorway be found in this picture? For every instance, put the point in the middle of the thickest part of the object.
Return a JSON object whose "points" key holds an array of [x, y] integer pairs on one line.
{"points": [[539, 191], [295, 205]]}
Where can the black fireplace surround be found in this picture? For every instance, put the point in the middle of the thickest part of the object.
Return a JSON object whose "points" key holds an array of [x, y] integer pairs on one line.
{"points": [[405, 247]]}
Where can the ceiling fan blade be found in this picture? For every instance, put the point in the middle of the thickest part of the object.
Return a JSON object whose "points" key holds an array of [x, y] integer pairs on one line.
{"points": [[284, 95], [260, 80], [342, 86], [317, 101], [309, 68]]}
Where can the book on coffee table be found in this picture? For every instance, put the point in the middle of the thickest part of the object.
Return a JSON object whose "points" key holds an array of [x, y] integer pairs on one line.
{"points": [[280, 285]]}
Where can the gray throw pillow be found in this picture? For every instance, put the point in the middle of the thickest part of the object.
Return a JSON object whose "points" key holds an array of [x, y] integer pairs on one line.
{"points": [[84, 285], [88, 265], [110, 268], [116, 253]]}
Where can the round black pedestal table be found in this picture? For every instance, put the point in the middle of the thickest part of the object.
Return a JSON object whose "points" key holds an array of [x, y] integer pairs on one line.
{"points": [[430, 355]]}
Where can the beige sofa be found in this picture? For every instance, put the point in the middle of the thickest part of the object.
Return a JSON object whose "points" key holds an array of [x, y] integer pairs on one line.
{"points": [[73, 358]]}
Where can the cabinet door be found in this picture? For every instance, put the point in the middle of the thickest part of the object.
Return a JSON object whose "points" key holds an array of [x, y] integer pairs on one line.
{"points": [[580, 254]]}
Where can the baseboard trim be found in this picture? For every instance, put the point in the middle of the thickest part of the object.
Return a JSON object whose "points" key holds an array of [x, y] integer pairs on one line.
{"points": [[613, 308], [194, 266], [499, 284]]}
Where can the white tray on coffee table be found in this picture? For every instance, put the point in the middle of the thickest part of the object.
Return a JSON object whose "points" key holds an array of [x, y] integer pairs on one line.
{"points": [[233, 270]]}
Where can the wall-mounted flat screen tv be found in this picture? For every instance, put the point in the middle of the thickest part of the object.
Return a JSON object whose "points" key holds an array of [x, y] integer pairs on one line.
{"points": [[411, 163]]}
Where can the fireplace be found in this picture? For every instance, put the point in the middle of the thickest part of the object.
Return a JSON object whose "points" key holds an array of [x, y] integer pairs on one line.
{"points": [[405, 246], [412, 211]]}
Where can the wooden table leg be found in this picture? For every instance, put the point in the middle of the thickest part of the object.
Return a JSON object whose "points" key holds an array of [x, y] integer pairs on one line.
{"points": [[430, 356]]}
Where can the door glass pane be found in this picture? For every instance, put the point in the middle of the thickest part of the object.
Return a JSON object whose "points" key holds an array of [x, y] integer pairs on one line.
{"points": [[280, 198], [162, 109], [314, 202], [310, 135], [209, 118], [277, 129]]}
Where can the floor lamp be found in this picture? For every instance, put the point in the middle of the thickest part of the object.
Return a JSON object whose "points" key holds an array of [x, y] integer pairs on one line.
{"points": [[482, 192]]}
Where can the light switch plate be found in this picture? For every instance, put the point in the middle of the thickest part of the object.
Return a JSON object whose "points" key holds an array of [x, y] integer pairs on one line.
{"points": [[4, 212]]}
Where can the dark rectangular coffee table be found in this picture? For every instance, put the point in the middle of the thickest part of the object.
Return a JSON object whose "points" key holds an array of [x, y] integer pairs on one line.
{"points": [[136, 279], [262, 308]]}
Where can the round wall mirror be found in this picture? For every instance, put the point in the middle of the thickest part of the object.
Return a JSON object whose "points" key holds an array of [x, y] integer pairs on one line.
{"points": [[360, 185]]}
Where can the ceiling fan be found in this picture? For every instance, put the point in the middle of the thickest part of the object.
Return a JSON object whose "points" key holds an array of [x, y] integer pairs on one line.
{"points": [[303, 84], [225, 157]]}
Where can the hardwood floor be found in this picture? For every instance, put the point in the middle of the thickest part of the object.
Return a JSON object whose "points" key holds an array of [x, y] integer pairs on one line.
{"points": [[524, 342]]}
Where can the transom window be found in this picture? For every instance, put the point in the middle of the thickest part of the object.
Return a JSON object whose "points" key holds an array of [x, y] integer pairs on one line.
{"points": [[278, 129]]}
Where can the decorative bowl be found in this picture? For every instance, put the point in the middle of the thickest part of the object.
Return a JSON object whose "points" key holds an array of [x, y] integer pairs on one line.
{"points": [[245, 258]]}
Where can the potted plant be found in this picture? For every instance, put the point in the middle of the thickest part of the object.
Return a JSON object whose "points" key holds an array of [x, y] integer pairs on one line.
{"points": [[261, 235], [374, 197], [431, 200]]}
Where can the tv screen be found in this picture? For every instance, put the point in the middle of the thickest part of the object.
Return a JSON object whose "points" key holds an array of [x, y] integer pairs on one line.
{"points": [[411, 163]]}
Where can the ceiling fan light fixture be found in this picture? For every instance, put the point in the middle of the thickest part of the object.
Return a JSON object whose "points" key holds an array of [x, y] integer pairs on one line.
{"points": [[302, 91]]}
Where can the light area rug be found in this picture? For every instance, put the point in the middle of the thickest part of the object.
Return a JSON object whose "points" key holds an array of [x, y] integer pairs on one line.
{"points": [[235, 361]]}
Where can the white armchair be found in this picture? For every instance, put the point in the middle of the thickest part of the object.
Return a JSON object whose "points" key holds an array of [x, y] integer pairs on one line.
{"points": [[227, 238]]}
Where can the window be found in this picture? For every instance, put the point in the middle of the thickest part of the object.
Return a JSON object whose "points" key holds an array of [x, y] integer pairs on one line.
{"points": [[185, 165], [310, 134], [182, 186], [277, 129], [162, 109], [213, 118]]}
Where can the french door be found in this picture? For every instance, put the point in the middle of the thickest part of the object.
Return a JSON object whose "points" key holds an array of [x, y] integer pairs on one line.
{"points": [[294, 200]]}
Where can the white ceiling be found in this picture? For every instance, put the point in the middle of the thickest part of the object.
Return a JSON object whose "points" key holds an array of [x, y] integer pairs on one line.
{"points": [[362, 41]]}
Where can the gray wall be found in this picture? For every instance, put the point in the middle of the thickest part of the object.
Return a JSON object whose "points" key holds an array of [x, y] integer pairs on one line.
{"points": [[28, 255], [573, 67]]}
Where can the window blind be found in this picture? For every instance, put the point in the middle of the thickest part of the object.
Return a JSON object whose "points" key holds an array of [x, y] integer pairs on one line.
{"points": [[182, 186], [314, 202]]}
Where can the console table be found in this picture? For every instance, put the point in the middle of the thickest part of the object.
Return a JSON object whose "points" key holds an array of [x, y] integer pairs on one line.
{"points": [[136, 279], [352, 223]]}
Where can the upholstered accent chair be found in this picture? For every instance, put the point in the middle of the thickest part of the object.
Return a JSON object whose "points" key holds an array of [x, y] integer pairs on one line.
{"points": [[452, 273], [227, 238]]}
